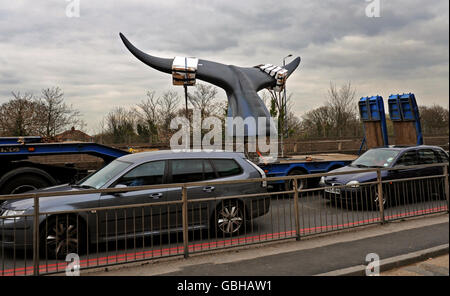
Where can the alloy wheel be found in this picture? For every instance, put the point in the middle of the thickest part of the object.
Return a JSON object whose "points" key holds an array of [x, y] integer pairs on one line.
{"points": [[376, 201], [62, 238], [230, 219]]}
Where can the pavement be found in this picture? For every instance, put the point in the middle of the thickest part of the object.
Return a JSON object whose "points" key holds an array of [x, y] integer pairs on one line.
{"points": [[403, 247], [431, 267]]}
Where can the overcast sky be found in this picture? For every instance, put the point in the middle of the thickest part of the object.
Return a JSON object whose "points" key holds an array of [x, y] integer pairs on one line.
{"points": [[406, 49]]}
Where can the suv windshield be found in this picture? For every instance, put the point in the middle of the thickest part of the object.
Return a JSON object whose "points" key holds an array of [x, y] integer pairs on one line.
{"points": [[99, 178], [376, 158]]}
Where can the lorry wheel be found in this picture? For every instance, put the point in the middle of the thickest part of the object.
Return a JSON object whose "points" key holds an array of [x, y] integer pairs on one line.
{"points": [[301, 183], [24, 183]]}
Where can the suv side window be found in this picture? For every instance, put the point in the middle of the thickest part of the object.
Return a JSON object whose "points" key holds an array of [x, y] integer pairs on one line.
{"points": [[443, 156], [226, 167], [191, 170], [150, 173], [208, 170], [408, 158], [428, 156]]}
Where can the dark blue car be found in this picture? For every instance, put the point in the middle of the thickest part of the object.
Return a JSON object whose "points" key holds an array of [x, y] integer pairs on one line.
{"points": [[358, 193]]}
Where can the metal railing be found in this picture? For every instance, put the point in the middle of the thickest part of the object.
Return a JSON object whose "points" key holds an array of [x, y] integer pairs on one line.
{"points": [[37, 241]]}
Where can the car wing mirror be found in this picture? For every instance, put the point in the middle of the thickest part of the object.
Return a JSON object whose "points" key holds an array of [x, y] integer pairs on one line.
{"points": [[120, 186]]}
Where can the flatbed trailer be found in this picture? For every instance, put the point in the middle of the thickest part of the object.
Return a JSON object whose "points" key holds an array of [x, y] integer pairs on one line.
{"points": [[19, 174], [303, 164]]}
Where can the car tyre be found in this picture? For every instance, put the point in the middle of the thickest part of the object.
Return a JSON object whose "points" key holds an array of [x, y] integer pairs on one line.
{"points": [[375, 203], [62, 235]]}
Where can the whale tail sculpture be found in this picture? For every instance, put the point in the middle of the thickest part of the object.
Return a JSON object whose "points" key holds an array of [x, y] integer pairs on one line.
{"points": [[241, 84]]}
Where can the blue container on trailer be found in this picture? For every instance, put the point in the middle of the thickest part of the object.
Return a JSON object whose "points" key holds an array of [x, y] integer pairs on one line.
{"points": [[364, 109], [395, 112], [404, 108], [372, 109]]}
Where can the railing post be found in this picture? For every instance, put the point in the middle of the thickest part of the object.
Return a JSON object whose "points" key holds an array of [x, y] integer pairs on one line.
{"points": [[36, 236], [380, 196], [446, 185], [185, 221], [297, 223]]}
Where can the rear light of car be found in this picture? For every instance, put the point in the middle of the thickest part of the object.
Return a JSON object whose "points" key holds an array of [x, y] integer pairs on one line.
{"points": [[261, 172]]}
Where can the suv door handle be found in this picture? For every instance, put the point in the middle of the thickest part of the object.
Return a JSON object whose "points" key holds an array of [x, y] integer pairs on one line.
{"points": [[156, 195], [208, 188]]}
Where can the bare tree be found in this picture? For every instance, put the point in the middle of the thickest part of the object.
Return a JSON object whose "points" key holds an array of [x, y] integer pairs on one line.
{"points": [[120, 125], [434, 119], [147, 112], [149, 120], [342, 103], [204, 99], [55, 114], [19, 115], [337, 118], [293, 123], [168, 111], [101, 131], [293, 126], [317, 123]]}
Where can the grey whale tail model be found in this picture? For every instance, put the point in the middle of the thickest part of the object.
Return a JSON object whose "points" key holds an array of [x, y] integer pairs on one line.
{"points": [[241, 85]]}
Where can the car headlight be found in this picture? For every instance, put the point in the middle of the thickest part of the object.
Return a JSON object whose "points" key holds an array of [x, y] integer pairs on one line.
{"points": [[322, 181], [353, 184], [11, 213]]}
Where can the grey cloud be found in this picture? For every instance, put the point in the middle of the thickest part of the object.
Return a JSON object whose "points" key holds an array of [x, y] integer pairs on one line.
{"points": [[85, 57]]}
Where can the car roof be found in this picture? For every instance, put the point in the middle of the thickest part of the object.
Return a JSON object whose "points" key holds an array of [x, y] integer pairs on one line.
{"points": [[406, 148], [180, 154]]}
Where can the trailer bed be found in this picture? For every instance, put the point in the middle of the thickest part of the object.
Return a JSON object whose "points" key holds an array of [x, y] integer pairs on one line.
{"points": [[318, 158], [305, 164]]}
